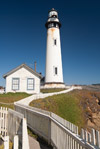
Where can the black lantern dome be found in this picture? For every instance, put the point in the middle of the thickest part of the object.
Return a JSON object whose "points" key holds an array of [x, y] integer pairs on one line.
{"points": [[53, 20]]}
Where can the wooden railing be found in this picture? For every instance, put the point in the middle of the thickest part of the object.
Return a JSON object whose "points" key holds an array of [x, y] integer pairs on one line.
{"points": [[60, 133]]}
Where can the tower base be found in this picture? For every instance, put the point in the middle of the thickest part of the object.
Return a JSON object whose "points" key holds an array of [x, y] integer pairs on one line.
{"points": [[54, 85]]}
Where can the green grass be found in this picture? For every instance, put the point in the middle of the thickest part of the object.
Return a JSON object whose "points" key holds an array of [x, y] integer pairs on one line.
{"points": [[51, 90], [65, 105], [30, 133], [10, 98]]}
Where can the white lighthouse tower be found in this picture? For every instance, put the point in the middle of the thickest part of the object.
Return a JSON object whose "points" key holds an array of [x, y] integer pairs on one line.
{"points": [[54, 73]]}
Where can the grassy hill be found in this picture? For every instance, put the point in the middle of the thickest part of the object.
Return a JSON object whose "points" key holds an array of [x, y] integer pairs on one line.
{"points": [[77, 106], [52, 90], [7, 100], [65, 105]]}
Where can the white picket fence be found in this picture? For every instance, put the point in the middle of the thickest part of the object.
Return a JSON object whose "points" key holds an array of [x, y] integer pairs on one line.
{"points": [[3, 121], [60, 133], [87, 139], [13, 127], [67, 136]]}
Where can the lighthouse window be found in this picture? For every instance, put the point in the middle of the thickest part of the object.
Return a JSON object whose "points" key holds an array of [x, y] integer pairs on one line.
{"points": [[54, 24], [55, 70], [57, 25], [55, 42]]}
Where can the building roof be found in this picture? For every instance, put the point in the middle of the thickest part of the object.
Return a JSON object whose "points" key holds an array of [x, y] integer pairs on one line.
{"points": [[23, 66], [1, 87]]}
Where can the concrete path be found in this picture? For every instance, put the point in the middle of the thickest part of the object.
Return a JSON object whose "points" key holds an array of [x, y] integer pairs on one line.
{"points": [[26, 101], [33, 143]]}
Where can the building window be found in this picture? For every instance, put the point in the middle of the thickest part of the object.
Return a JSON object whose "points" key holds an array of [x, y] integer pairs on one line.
{"points": [[55, 42], [55, 70], [30, 84], [54, 24], [57, 25], [15, 83]]}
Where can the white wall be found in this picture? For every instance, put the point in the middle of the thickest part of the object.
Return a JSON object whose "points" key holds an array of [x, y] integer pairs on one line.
{"points": [[2, 91], [22, 74], [53, 56]]}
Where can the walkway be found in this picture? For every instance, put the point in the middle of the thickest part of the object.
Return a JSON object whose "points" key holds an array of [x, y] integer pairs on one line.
{"points": [[26, 101], [34, 144]]}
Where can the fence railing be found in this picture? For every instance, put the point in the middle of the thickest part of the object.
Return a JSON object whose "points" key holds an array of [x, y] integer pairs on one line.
{"points": [[60, 133], [18, 126], [13, 127], [3, 121]]}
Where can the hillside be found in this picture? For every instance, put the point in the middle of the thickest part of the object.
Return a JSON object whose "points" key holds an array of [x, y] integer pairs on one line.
{"points": [[81, 107], [7, 100]]}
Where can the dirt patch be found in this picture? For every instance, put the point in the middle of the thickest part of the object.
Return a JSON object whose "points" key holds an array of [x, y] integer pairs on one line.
{"points": [[90, 102], [95, 123]]}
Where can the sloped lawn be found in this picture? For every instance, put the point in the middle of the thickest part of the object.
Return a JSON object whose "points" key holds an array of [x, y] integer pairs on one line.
{"points": [[10, 98], [65, 105], [78, 107]]}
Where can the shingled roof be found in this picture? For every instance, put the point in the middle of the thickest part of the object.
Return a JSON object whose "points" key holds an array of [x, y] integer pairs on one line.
{"points": [[23, 66]]}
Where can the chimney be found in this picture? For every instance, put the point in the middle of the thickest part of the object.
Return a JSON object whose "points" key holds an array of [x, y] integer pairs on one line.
{"points": [[35, 65]]}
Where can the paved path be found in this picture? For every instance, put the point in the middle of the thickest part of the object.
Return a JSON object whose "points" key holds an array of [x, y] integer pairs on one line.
{"points": [[27, 100], [33, 143]]}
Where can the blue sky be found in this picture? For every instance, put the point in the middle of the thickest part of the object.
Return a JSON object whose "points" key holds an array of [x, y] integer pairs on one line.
{"points": [[23, 37]]}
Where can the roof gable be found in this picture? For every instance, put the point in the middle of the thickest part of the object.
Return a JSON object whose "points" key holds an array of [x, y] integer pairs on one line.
{"points": [[22, 66]]}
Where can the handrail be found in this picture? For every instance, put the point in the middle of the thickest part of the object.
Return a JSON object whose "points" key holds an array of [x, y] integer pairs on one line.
{"points": [[49, 127]]}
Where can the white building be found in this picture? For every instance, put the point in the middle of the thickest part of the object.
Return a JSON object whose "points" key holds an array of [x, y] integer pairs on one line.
{"points": [[2, 91], [54, 72], [23, 79]]}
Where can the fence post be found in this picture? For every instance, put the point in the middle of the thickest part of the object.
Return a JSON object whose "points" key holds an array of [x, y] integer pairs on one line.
{"points": [[25, 141], [82, 133], [86, 136], [15, 142], [97, 138], [93, 136], [89, 137], [6, 142], [77, 130]]}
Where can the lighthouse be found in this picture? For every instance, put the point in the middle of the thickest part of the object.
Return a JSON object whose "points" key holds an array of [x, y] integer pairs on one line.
{"points": [[53, 72]]}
